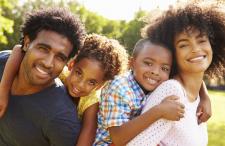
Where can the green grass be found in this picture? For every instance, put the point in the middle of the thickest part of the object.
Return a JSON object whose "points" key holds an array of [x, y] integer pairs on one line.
{"points": [[216, 124]]}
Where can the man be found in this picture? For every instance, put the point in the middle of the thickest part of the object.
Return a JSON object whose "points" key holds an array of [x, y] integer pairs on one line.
{"points": [[40, 112]]}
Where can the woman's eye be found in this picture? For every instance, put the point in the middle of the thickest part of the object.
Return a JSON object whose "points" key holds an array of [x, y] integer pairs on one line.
{"points": [[182, 46]]}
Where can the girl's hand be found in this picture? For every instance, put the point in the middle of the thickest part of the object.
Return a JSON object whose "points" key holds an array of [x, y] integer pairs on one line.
{"points": [[204, 111], [172, 109]]}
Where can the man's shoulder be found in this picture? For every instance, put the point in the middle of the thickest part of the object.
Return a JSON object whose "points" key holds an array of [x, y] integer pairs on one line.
{"points": [[5, 54]]}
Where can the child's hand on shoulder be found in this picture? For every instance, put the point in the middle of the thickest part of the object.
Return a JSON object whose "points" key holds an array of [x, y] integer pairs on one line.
{"points": [[172, 109]]}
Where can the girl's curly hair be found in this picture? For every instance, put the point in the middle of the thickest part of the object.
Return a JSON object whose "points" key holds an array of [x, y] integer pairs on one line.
{"points": [[206, 19], [108, 52]]}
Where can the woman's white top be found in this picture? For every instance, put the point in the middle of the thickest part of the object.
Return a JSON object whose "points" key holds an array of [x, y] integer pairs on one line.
{"points": [[185, 132]]}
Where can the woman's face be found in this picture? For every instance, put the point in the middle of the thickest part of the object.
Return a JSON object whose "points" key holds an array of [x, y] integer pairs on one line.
{"points": [[193, 51]]}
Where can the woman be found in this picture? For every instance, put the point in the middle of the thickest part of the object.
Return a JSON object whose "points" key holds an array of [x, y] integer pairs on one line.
{"points": [[197, 37]]}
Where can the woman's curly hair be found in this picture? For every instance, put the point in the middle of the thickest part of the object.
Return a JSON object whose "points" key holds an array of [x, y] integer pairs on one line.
{"points": [[206, 19], [108, 52]]}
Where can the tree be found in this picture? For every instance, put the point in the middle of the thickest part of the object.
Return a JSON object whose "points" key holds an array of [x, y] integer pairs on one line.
{"points": [[6, 25], [132, 31]]}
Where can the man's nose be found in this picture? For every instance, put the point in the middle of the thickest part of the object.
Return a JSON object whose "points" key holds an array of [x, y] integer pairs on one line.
{"points": [[49, 61]]}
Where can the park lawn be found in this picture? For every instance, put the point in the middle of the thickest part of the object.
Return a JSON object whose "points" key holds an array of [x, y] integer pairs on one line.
{"points": [[216, 124]]}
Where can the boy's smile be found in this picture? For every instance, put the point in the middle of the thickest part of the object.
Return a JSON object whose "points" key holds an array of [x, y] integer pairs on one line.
{"points": [[151, 66]]}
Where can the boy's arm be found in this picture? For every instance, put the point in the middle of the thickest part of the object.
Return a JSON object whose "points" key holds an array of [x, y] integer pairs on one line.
{"points": [[11, 68], [121, 135], [89, 126], [204, 108]]}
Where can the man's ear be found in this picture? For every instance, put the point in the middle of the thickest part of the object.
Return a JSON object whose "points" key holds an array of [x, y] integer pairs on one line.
{"points": [[26, 43]]}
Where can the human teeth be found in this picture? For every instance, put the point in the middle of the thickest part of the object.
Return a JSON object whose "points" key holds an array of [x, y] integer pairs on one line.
{"points": [[152, 81], [41, 71], [197, 58]]}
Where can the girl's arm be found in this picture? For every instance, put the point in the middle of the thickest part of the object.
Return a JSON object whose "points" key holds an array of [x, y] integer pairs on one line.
{"points": [[89, 126], [204, 108], [10, 71]]}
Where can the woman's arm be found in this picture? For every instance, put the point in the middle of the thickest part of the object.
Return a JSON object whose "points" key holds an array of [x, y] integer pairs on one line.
{"points": [[10, 71], [204, 110], [89, 126]]}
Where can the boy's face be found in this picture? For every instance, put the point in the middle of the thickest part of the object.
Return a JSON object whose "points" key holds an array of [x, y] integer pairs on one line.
{"points": [[86, 76], [151, 66], [193, 51], [45, 58]]}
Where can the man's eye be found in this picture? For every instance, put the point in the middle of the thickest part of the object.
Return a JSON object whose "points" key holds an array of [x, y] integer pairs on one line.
{"points": [[61, 58], [43, 49]]}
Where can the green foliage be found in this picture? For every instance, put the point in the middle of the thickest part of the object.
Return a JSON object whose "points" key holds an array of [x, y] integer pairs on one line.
{"points": [[6, 23], [126, 32], [216, 124], [132, 31]]}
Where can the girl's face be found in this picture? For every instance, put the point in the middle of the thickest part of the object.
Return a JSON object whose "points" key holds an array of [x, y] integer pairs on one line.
{"points": [[86, 76], [193, 51], [152, 66]]}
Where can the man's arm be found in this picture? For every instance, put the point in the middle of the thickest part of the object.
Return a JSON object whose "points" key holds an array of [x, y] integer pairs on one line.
{"points": [[10, 71]]}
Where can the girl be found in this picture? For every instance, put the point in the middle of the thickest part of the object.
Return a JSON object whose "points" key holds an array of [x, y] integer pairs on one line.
{"points": [[197, 37], [98, 61]]}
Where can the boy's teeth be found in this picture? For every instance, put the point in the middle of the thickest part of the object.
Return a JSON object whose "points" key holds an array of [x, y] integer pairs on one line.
{"points": [[152, 81]]}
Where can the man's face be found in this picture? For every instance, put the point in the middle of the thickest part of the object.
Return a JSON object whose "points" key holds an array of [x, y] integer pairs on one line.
{"points": [[152, 66], [45, 58]]}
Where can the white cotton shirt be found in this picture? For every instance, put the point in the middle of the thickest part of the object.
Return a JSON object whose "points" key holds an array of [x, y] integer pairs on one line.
{"points": [[185, 132]]}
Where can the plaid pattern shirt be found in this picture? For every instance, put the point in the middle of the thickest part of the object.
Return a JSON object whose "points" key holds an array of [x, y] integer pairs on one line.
{"points": [[121, 100]]}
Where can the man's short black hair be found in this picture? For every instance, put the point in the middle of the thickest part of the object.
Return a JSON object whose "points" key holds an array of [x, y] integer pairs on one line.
{"points": [[54, 19]]}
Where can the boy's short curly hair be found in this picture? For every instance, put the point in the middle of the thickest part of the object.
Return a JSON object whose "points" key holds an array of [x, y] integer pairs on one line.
{"points": [[206, 19], [108, 52], [55, 19]]}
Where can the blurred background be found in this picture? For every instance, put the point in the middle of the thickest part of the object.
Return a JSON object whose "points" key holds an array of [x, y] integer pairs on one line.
{"points": [[117, 19]]}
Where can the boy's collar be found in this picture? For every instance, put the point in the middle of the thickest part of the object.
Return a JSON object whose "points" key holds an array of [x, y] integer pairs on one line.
{"points": [[142, 88]]}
